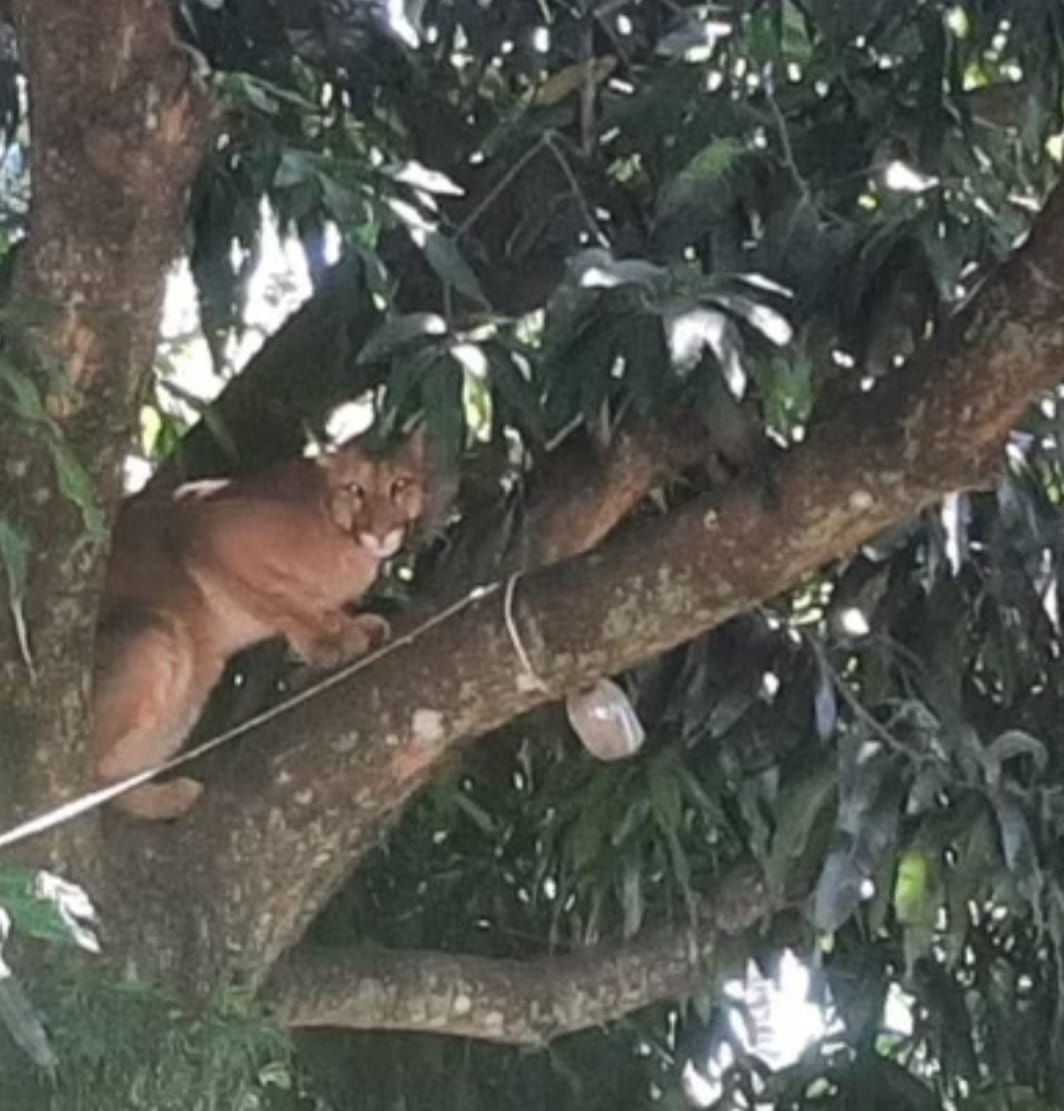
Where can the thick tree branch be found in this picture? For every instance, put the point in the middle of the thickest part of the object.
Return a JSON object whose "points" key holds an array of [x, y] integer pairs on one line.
{"points": [[580, 493], [580, 500], [309, 365], [274, 840], [514, 1002]]}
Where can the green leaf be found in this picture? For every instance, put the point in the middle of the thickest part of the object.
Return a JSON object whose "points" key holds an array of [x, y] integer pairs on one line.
{"points": [[24, 396], [46, 907], [217, 427], [596, 268], [341, 201], [576, 363], [254, 92], [19, 1016], [666, 796], [971, 879], [796, 44], [208, 413], [259, 86], [699, 30], [681, 866], [702, 175], [1012, 743], [476, 813], [631, 824], [750, 799], [588, 838], [772, 325], [1017, 841], [402, 392], [838, 889], [896, 1085], [508, 379], [17, 1012], [76, 486], [643, 346], [441, 395], [632, 900], [914, 887], [698, 797], [787, 388], [1016, 1097], [799, 808], [294, 168], [14, 554], [402, 332], [825, 708], [427, 180], [444, 256], [729, 708]]}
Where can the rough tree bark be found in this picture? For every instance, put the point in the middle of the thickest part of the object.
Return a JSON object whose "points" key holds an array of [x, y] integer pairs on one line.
{"points": [[514, 1002], [279, 832], [117, 136], [119, 127]]}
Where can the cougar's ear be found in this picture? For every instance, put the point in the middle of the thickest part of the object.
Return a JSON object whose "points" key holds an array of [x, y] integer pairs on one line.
{"points": [[414, 449], [325, 457], [358, 446]]}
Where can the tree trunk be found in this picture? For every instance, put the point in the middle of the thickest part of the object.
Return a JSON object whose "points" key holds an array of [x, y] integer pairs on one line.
{"points": [[117, 136]]}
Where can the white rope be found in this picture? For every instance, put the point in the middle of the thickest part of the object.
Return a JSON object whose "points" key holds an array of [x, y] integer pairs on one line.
{"points": [[65, 811], [515, 636]]}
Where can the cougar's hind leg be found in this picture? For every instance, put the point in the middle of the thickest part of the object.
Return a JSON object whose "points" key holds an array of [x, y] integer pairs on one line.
{"points": [[160, 802], [145, 701]]}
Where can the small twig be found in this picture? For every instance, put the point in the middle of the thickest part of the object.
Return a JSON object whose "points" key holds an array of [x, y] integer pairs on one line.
{"points": [[880, 731], [550, 141], [608, 8], [587, 89], [499, 187], [601, 16], [192, 400], [785, 139], [855, 704]]}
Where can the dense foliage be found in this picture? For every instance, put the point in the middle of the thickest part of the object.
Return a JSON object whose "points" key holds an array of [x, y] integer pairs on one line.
{"points": [[565, 216]]}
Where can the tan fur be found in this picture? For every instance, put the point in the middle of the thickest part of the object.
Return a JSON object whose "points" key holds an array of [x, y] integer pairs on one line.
{"points": [[214, 567]]}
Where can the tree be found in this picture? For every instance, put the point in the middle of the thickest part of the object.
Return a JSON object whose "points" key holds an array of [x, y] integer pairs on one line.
{"points": [[720, 321]]}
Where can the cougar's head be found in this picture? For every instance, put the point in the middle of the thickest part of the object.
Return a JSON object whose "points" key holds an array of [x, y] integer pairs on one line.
{"points": [[375, 495]]}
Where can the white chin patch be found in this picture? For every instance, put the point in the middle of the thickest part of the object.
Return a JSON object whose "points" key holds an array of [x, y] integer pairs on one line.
{"points": [[381, 547]]}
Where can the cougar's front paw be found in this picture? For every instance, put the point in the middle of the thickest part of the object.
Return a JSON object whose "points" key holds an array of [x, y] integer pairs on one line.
{"points": [[366, 632], [354, 637]]}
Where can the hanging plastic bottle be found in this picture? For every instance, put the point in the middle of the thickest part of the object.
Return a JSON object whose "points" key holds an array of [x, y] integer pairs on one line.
{"points": [[605, 721]]}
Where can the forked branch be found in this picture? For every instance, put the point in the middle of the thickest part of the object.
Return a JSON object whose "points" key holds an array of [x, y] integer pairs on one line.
{"points": [[512, 1002], [279, 838]]}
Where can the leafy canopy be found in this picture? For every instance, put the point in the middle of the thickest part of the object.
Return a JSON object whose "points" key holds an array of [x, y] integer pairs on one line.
{"points": [[564, 215]]}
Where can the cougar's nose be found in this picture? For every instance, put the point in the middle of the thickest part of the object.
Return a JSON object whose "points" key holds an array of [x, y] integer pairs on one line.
{"points": [[381, 547]]}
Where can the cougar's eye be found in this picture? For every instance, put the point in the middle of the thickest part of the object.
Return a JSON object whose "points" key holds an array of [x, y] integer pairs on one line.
{"points": [[399, 485], [355, 490]]}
